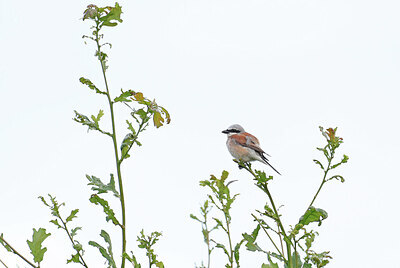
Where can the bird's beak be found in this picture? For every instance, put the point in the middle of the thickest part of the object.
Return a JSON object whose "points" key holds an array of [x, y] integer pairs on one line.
{"points": [[225, 131]]}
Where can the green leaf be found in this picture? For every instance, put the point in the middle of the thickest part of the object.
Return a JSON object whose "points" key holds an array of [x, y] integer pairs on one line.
{"points": [[124, 97], [91, 85], [55, 222], [338, 177], [72, 215], [100, 187], [126, 145], [36, 244], [236, 252], [218, 245], [74, 258], [75, 230], [4, 244], [319, 163], [344, 160], [97, 118], [130, 127], [113, 15], [195, 218], [107, 254], [270, 265], [313, 215], [159, 265], [251, 245], [132, 260], [95, 199], [93, 125]]}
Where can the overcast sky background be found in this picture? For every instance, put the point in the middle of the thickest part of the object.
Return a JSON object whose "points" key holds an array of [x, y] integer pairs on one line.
{"points": [[278, 68]]}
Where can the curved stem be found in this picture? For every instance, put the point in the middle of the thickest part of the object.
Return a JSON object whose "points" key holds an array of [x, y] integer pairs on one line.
{"points": [[17, 253], [322, 183], [114, 137]]}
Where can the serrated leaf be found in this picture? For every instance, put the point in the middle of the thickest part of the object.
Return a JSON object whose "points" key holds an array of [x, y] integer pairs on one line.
{"points": [[74, 258], [158, 120], [92, 125], [124, 97], [95, 199], [159, 265], [313, 215], [36, 244], [89, 83], [100, 187], [270, 265], [112, 16], [75, 230], [132, 260], [97, 118], [72, 215], [104, 253], [130, 127], [55, 222]]}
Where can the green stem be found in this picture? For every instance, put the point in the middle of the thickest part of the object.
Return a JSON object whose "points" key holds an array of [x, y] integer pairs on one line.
{"points": [[72, 241], [17, 253], [229, 238], [270, 238], [208, 241], [264, 187], [322, 183], [114, 137], [3, 264]]}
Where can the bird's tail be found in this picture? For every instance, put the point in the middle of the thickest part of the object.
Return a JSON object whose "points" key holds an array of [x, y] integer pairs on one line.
{"points": [[266, 162]]}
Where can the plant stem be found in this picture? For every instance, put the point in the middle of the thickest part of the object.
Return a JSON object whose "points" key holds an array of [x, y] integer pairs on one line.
{"points": [[280, 238], [3, 264], [264, 187], [208, 242], [114, 137], [270, 238], [17, 253], [322, 183], [229, 238], [72, 241]]}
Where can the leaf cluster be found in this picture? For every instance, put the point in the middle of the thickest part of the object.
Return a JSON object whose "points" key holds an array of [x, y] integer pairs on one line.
{"points": [[222, 199], [62, 223], [147, 242]]}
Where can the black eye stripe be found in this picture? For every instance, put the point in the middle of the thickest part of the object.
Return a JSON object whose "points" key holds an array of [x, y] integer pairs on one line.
{"points": [[234, 130]]}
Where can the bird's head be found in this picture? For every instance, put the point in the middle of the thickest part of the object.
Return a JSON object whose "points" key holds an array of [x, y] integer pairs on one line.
{"points": [[234, 129]]}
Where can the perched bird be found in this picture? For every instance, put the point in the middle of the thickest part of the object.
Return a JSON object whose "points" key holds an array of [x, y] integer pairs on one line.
{"points": [[244, 146]]}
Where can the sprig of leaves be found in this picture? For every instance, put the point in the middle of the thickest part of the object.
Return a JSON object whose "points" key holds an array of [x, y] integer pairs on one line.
{"points": [[147, 242], [59, 221], [222, 199], [106, 253]]}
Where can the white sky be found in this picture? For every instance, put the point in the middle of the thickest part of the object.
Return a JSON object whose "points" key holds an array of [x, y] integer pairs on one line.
{"points": [[278, 68]]}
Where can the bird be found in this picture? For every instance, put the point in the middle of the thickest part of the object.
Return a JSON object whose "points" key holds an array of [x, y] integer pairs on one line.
{"points": [[245, 147]]}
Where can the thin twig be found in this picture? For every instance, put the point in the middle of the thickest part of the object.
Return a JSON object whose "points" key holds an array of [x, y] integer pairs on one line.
{"points": [[3, 263], [17, 253], [270, 238]]}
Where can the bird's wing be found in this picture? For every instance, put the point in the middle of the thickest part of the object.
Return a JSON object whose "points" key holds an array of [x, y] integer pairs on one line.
{"points": [[247, 140]]}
